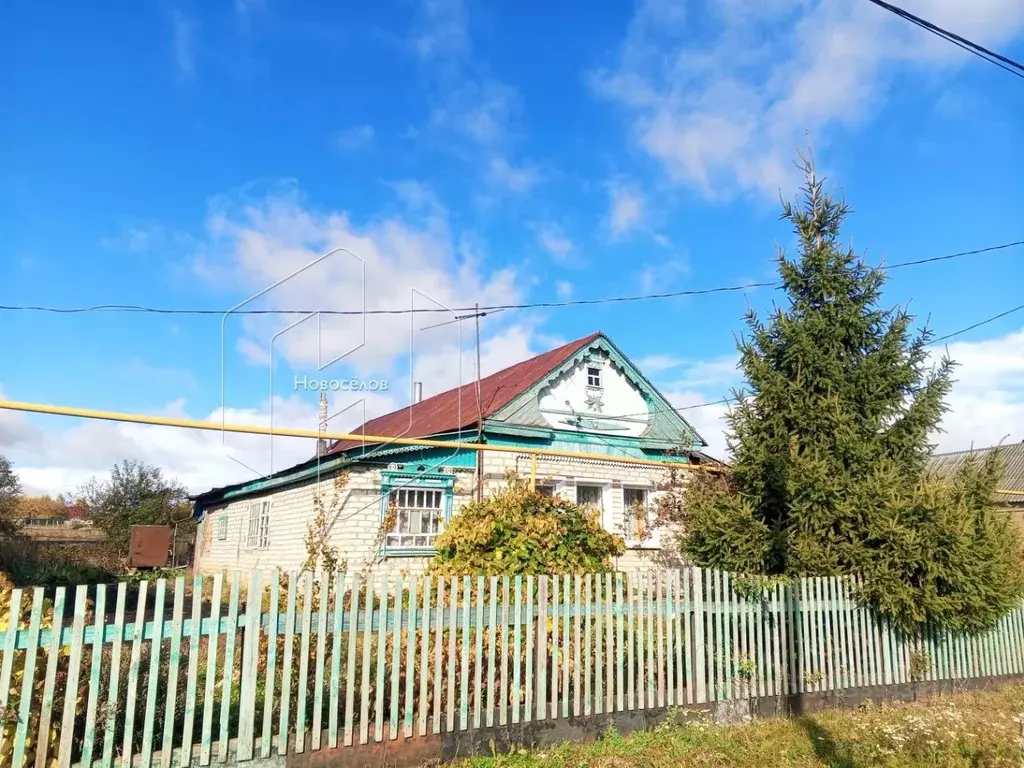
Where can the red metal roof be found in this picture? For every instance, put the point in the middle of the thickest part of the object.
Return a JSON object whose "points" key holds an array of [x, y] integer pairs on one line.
{"points": [[443, 413]]}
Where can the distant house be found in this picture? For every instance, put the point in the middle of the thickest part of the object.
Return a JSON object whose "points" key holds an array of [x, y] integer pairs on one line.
{"points": [[945, 464], [585, 397]]}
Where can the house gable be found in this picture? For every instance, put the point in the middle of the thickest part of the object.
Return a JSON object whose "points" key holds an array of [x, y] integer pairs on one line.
{"points": [[596, 393]]}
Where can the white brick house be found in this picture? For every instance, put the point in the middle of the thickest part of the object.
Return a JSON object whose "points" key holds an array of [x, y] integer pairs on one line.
{"points": [[584, 397]]}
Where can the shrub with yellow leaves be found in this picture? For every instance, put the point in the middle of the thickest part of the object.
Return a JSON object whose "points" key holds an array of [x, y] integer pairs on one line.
{"points": [[520, 531]]}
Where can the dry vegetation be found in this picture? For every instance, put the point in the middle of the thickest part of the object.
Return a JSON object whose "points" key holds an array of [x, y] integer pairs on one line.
{"points": [[967, 729]]}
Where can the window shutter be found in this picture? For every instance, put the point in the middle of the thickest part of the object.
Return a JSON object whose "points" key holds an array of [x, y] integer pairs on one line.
{"points": [[222, 527]]}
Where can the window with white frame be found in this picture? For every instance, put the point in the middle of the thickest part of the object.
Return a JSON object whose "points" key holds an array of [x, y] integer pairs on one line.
{"points": [[594, 376], [419, 517], [545, 489], [640, 517], [259, 525]]}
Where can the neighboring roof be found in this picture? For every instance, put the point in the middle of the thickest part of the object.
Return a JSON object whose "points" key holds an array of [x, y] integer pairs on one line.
{"points": [[1013, 467], [452, 410], [74, 512]]}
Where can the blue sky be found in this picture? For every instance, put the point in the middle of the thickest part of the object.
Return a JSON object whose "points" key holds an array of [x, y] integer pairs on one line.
{"points": [[188, 155]]}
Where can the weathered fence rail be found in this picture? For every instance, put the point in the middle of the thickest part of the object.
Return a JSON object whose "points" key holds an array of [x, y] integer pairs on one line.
{"points": [[304, 663]]}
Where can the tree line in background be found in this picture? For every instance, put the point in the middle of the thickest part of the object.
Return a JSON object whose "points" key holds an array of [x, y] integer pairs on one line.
{"points": [[134, 494]]}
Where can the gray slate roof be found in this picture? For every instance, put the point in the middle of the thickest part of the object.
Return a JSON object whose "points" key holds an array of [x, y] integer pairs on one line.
{"points": [[1013, 467]]}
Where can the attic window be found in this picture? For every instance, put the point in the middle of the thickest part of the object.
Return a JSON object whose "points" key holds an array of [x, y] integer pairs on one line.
{"points": [[593, 376]]}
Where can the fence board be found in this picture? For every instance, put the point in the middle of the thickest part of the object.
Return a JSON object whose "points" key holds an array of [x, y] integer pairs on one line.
{"points": [[89, 737], [28, 678], [286, 664], [438, 637], [133, 675], [412, 630], [378, 708], [115, 670], [478, 662], [49, 682], [174, 660], [453, 625], [271, 670], [620, 636], [699, 645], [189, 714], [350, 671], [71, 685], [566, 587], [594, 644], [7, 666], [364, 700], [393, 718], [321, 660], [631, 641], [595, 604], [555, 635], [465, 676], [492, 645], [503, 710], [424, 657], [302, 693], [155, 651], [335, 684]]}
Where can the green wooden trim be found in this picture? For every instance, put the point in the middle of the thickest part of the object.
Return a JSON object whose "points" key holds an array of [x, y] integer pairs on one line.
{"points": [[662, 410]]}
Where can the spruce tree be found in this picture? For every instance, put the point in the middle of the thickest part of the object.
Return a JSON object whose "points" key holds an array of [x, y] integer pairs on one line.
{"points": [[830, 441]]}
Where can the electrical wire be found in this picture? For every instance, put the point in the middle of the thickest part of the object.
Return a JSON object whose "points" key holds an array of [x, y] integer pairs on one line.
{"points": [[971, 327], [481, 311], [1003, 62]]}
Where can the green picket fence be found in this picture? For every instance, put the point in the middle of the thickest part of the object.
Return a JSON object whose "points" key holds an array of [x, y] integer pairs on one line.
{"points": [[206, 668]]}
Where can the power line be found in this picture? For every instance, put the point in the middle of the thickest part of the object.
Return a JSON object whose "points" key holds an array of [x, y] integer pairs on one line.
{"points": [[971, 327], [475, 311], [978, 324], [1003, 62]]}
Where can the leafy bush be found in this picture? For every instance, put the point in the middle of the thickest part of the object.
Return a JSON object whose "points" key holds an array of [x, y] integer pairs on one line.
{"points": [[519, 531]]}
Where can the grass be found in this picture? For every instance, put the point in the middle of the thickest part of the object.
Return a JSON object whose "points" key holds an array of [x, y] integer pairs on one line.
{"points": [[965, 729]]}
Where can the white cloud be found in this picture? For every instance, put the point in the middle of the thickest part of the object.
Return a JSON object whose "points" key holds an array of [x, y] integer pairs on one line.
{"points": [[987, 400], [708, 419], [408, 262], [442, 30], [702, 383], [516, 178], [466, 101], [724, 109], [553, 240], [626, 207], [183, 37], [657, 363], [55, 455], [563, 290], [986, 404], [356, 137], [136, 238], [659, 277]]}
